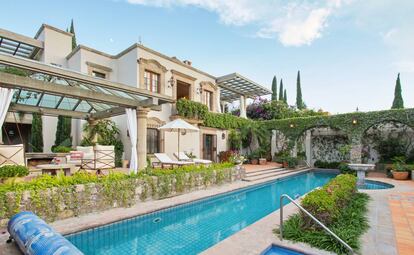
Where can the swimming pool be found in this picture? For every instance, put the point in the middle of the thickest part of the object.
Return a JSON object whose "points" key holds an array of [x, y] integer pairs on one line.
{"points": [[192, 228]]}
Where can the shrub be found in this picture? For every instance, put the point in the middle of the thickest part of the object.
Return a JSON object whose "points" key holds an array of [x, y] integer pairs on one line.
{"points": [[326, 203], [13, 171], [326, 164], [61, 149], [191, 109]]}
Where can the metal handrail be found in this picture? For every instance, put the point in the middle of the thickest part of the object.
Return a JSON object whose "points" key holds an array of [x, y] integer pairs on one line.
{"points": [[312, 217]]}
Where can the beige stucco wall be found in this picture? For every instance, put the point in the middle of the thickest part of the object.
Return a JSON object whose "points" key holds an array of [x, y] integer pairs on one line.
{"points": [[57, 45]]}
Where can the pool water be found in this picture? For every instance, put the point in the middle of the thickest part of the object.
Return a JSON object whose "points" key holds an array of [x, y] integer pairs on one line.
{"points": [[194, 227], [277, 250], [369, 184]]}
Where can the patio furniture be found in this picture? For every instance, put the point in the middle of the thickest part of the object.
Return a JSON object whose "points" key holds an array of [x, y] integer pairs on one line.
{"points": [[12, 155], [104, 158], [165, 160], [183, 157], [82, 152], [52, 169]]}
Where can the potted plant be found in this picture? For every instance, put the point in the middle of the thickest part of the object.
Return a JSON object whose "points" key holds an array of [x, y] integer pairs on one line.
{"points": [[262, 158], [399, 169], [254, 157]]}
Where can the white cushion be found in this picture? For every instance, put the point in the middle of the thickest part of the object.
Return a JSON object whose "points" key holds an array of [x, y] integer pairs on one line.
{"points": [[104, 147], [12, 155], [85, 149]]}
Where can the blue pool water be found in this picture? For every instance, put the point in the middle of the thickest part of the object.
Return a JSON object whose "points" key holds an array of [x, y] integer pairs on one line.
{"points": [[369, 184], [194, 227], [276, 250]]}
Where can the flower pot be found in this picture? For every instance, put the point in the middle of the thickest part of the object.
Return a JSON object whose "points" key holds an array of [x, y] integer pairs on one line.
{"points": [[262, 161], [254, 161], [285, 164], [399, 175]]}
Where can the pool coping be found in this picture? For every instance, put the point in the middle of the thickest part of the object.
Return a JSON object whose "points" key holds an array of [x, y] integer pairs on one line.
{"points": [[97, 219]]}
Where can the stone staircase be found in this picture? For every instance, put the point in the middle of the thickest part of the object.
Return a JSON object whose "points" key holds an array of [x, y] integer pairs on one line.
{"points": [[266, 173]]}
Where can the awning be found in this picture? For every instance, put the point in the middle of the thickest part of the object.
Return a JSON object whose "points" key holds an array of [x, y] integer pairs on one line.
{"points": [[234, 85], [19, 45], [54, 91]]}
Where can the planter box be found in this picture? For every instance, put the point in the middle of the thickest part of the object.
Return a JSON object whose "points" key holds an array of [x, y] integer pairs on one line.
{"points": [[254, 161], [400, 175], [262, 161]]}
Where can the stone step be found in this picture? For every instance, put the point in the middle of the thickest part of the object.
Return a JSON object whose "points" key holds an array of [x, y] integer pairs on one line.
{"points": [[265, 171], [267, 175]]}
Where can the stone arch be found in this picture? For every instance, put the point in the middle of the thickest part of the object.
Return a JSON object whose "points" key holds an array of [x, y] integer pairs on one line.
{"points": [[384, 139]]}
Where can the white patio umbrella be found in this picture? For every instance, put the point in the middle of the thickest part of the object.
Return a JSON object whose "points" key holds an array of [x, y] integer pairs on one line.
{"points": [[178, 125]]}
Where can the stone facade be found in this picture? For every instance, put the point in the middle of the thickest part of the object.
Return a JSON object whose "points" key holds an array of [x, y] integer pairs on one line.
{"points": [[70, 201]]}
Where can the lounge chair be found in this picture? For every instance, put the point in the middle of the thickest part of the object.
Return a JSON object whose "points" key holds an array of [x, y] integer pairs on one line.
{"points": [[165, 160], [183, 157], [104, 158], [12, 155]]}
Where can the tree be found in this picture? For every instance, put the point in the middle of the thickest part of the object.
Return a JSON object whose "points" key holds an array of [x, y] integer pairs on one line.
{"points": [[285, 96], [36, 140], [274, 88], [281, 90], [72, 30], [299, 101], [398, 102], [63, 132]]}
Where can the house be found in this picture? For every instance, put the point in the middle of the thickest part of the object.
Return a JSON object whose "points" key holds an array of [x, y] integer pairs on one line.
{"points": [[97, 82]]}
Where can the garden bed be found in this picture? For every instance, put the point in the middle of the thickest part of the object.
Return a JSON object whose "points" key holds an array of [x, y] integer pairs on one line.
{"points": [[60, 197], [340, 207]]}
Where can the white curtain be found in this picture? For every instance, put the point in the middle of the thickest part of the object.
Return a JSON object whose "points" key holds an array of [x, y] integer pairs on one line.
{"points": [[132, 130], [6, 96], [218, 100]]}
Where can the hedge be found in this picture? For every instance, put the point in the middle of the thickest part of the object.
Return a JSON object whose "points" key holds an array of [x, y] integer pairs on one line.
{"points": [[10, 171]]}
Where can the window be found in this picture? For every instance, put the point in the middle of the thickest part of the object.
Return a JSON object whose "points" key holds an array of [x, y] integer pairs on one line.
{"points": [[98, 74], [153, 141], [152, 81], [208, 99]]}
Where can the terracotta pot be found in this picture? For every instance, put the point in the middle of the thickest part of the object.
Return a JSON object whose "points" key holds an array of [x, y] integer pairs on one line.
{"points": [[254, 161], [262, 161], [285, 164], [399, 175]]}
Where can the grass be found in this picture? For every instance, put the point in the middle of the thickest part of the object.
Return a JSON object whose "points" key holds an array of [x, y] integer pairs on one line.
{"points": [[350, 224]]}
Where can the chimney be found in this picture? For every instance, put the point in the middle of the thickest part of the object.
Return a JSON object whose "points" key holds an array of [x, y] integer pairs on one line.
{"points": [[187, 62]]}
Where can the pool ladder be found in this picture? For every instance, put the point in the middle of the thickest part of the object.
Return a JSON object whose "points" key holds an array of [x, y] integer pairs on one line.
{"points": [[313, 218]]}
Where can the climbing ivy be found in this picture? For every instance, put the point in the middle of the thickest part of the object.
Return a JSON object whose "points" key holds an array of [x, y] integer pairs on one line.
{"points": [[353, 124]]}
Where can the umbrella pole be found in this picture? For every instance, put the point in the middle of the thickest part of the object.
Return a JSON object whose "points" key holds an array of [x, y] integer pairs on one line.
{"points": [[178, 152]]}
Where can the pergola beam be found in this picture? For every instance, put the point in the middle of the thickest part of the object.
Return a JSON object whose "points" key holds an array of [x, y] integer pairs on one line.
{"points": [[47, 111], [15, 81], [21, 38]]}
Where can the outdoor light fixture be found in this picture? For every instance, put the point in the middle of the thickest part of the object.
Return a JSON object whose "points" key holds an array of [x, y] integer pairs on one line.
{"points": [[171, 82], [292, 125], [354, 121], [199, 90], [223, 136]]}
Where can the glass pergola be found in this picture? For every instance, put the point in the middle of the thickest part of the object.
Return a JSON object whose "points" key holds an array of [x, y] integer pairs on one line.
{"points": [[234, 85], [19, 45], [52, 90]]}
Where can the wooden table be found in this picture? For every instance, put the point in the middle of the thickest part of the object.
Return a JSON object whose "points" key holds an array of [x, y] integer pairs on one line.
{"points": [[53, 168]]}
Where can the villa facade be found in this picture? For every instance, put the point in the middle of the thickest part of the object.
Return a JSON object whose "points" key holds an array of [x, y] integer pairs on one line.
{"points": [[166, 78]]}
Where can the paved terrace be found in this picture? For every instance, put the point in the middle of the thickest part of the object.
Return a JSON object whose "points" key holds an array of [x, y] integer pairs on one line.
{"points": [[391, 217]]}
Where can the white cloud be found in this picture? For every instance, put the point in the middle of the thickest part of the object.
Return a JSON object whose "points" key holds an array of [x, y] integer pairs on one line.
{"points": [[294, 24]]}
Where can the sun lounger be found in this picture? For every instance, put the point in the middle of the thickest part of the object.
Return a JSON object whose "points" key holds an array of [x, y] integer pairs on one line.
{"points": [[165, 160], [183, 157]]}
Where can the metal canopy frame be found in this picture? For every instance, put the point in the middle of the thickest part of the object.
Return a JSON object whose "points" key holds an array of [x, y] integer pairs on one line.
{"points": [[50, 90], [19, 45], [234, 85]]}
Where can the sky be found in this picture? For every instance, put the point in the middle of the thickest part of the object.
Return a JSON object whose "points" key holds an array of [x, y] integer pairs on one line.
{"points": [[349, 52]]}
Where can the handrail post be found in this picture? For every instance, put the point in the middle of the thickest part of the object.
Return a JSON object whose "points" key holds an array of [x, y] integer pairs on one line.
{"points": [[312, 217]]}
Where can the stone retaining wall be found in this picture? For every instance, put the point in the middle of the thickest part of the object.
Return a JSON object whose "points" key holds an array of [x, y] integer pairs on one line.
{"points": [[65, 202]]}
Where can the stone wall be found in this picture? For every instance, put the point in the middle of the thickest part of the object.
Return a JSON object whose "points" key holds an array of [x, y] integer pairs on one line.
{"points": [[64, 202]]}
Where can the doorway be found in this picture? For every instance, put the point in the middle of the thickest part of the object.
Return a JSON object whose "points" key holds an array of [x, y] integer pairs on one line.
{"points": [[10, 134], [183, 90], [210, 147]]}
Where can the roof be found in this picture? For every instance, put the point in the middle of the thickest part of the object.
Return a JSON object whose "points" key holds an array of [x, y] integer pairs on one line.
{"points": [[232, 86], [19, 45], [52, 90]]}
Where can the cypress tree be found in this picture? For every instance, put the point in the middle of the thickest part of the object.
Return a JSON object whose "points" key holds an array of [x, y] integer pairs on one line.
{"points": [[72, 30], [63, 131], [398, 102], [299, 101], [281, 91], [285, 97], [274, 89], [36, 140]]}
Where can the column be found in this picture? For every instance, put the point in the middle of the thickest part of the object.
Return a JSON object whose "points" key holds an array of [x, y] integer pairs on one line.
{"points": [[92, 123], [356, 150], [308, 147], [142, 115], [243, 107]]}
